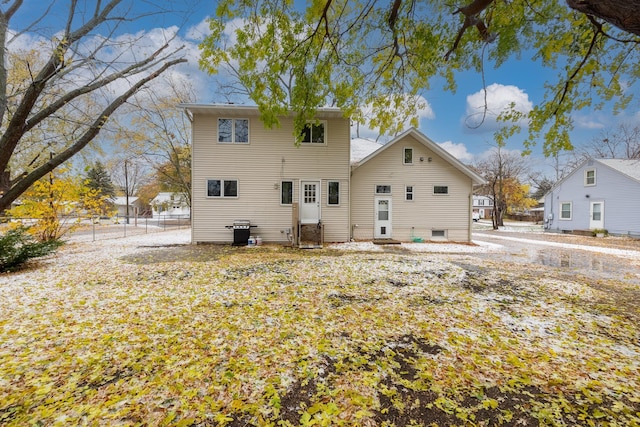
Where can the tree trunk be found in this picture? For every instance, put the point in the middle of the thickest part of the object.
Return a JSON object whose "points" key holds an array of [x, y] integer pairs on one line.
{"points": [[624, 14], [21, 185]]}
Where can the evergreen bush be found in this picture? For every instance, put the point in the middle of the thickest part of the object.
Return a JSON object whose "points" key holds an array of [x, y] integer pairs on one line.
{"points": [[17, 246]]}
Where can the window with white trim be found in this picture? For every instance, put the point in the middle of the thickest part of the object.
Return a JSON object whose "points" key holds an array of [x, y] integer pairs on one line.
{"points": [[233, 131], [333, 193], [314, 133], [440, 189], [383, 189], [589, 177], [408, 193], [441, 234], [222, 188], [566, 210], [407, 158], [286, 192]]}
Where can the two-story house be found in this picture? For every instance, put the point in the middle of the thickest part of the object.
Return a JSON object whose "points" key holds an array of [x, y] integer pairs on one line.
{"points": [[244, 174]]}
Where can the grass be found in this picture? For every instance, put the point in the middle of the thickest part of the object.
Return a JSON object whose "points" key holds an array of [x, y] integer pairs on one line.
{"points": [[271, 336]]}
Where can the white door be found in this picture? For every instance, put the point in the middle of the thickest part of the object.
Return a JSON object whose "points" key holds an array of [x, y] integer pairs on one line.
{"points": [[309, 202], [382, 223], [596, 215]]}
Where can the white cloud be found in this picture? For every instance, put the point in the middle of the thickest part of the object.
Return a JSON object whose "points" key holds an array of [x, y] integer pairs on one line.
{"points": [[484, 106], [199, 31], [587, 122], [459, 151]]}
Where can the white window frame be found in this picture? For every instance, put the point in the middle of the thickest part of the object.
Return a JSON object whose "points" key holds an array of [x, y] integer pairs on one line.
{"points": [[560, 217], [586, 178], [233, 130], [404, 155], [329, 192], [409, 191], [440, 194], [443, 236], [222, 186], [311, 143], [292, 191], [376, 187]]}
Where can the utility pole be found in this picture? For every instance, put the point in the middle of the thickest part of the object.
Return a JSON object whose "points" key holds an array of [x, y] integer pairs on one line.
{"points": [[126, 191]]}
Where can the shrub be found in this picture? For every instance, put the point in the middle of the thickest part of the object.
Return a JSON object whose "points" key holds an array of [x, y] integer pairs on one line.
{"points": [[598, 231], [17, 246]]}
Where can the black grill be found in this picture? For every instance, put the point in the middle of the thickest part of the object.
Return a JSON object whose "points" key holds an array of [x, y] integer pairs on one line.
{"points": [[241, 231]]}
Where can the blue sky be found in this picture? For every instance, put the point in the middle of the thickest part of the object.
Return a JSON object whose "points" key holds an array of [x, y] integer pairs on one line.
{"points": [[444, 121]]}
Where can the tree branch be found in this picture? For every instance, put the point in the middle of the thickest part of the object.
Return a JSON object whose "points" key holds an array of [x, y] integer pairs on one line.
{"points": [[471, 12], [621, 13], [24, 183]]}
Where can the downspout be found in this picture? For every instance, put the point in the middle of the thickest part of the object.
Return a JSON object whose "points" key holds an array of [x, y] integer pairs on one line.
{"points": [[470, 213], [191, 210]]}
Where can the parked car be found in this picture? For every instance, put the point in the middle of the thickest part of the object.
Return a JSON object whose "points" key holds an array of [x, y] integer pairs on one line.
{"points": [[476, 216]]}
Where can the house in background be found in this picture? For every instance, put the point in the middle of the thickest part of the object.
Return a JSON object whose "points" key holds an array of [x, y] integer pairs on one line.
{"points": [[483, 205], [247, 176], [170, 205], [136, 207], [598, 194], [412, 189]]}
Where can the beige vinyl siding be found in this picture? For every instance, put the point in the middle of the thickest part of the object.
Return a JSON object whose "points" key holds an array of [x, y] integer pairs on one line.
{"points": [[260, 166], [427, 211]]}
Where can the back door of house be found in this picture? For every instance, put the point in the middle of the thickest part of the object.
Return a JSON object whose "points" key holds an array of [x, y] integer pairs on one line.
{"points": [[309, 202], [596, 215], [382, 223]]}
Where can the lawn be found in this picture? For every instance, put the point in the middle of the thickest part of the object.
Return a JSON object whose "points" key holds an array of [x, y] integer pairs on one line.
{"points": [[211, 335]]}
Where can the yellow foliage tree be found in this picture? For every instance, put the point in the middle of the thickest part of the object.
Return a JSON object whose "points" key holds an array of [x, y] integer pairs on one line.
{"points": [[49, 203], [516, 196], [95, 203]]}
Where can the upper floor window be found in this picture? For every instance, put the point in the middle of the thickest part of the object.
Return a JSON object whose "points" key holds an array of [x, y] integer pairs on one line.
{"points": [[440, 189], [234, 131], [222, 188], [590, 177], [333, 192], [314, 133], [407, 158], [383, 189]]}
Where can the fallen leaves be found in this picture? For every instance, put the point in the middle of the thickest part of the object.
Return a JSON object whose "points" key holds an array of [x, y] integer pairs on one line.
{"points": [[308, 338]]}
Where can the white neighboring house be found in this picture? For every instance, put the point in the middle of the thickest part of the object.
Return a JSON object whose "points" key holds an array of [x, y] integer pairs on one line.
{"points": [[482, 206], [170, 205], [598, 194], [120, 203]]}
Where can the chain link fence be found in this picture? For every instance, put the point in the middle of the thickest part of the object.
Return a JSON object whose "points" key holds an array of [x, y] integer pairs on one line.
{"points": [[86, 229]]}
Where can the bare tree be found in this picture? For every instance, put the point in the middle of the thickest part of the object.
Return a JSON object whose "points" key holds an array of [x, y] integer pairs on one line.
{"points": [[621, 143], [504, 170], [75, 82], [160, 133]]}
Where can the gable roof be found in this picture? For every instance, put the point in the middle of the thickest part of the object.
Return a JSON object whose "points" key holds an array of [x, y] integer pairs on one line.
{"points": [[627, 167], [361, 148], [422, 138], [122, 200]]}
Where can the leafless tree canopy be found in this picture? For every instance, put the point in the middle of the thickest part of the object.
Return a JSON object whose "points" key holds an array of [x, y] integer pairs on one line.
{"points": [[75, 68]]}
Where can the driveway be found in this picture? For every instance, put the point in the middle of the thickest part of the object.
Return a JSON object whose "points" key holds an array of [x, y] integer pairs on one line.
{"points": [[597, 258]]}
